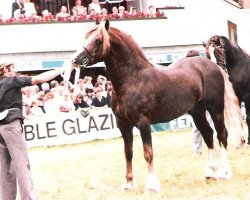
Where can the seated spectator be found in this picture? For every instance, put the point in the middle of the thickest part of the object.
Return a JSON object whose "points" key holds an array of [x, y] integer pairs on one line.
{"points": [[18, 17], [92, 14], [132, 11], [151, 12], [79, 9], [96, 6], [99, 101], [104, 13], [79, 102], [61, 16], [66, 104], [30, 10], [47, 16], [115, 13], [122, 12], [18, 7]]}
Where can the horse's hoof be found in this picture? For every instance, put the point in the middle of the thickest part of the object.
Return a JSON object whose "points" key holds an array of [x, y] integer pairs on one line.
{"points": [[152, 185], [210, 173], [127, 187], [224, 174]]}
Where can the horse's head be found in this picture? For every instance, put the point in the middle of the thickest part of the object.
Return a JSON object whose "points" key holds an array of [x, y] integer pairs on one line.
{"points": [[95, 46], [215, 50]]}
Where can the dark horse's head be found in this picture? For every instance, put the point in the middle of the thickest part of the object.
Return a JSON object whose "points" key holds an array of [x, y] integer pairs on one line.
{"points": [[216, 48], [95, 46]]}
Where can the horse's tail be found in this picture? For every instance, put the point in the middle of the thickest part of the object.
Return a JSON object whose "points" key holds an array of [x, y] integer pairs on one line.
{"points": [[232, 114]]}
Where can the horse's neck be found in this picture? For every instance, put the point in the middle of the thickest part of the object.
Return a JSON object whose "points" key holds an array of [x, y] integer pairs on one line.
{"points": [[236, 57], [123, 61], [120, 71]]}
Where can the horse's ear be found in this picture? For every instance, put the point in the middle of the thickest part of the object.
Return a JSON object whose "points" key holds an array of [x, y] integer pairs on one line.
{"points": [[107, 24]]}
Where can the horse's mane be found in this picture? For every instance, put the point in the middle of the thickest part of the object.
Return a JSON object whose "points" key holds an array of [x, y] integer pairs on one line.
{"points": [[232, 50], [134, 51]]}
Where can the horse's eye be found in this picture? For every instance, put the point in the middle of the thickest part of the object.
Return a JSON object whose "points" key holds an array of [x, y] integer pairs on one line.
{"points": [[98, 42]]}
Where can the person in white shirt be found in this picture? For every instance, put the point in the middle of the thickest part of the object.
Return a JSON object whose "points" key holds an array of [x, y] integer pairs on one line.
{"points": [[29, 8], [96, 6]]}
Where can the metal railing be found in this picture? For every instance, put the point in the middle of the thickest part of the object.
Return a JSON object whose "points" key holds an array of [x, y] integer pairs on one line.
{"points": [[53, 6]]}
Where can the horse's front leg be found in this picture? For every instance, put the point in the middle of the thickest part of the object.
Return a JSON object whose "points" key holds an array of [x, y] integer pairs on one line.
{"points": [[152, 183], [126, 129]]}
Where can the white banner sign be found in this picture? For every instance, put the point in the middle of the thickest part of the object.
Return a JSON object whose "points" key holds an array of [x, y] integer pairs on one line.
{"points": [[70, 128]]}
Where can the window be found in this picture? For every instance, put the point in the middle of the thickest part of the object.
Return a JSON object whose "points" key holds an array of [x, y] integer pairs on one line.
{"points": [[232, 32]]}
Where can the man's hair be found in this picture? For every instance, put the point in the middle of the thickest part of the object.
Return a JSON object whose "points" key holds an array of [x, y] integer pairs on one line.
{"points": [[3, 65], [193, 53]]}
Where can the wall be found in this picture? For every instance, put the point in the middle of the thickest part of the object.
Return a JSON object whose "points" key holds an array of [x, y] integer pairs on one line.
{"points": [[183, 29]]}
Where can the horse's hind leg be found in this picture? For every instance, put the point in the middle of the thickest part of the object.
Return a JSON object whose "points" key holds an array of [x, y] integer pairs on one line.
{"points": [[152, 183], [126, 129], [247, 106], [200, 120], [222, 135]]}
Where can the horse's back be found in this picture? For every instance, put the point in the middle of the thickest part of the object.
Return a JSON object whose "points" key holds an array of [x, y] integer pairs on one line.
{"points": [[165, 94]]}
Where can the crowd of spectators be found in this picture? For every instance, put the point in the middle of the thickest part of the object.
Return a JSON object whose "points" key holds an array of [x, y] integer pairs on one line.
{"points": [[63, 96], [25, 11]]}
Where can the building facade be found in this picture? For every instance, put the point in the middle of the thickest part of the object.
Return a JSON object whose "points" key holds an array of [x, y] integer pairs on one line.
{"points": [[42, 46]]}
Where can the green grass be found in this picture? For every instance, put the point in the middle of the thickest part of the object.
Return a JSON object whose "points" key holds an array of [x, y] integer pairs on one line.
{"points": [[96, 170]]}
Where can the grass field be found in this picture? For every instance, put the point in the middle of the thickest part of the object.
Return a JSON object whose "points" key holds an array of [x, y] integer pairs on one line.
{"points": [[96, 171]]}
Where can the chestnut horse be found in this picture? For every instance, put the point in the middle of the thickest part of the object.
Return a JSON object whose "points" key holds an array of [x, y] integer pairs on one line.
{"points": [[236, 62], [144, 94]]}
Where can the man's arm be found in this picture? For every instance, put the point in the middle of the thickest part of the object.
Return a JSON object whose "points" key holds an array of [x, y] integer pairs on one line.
{"points": [[47, 76]]}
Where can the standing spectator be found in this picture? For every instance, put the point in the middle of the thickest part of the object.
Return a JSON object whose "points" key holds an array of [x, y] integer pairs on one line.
{"points": [[88, 82], [30, 10], [108, 88], [51, 104], [80, 87], [197, 137], [41, 99], [88, 98], [66, 104], [45, 87], [62, 15], [96, 6], [99, 100], [17, 7], [79, 102], [35, 110], [79, 9], [101, 80], [14, 165]]}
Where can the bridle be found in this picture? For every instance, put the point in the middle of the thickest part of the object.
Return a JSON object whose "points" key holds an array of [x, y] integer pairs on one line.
{"points": [[86, 60]]}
